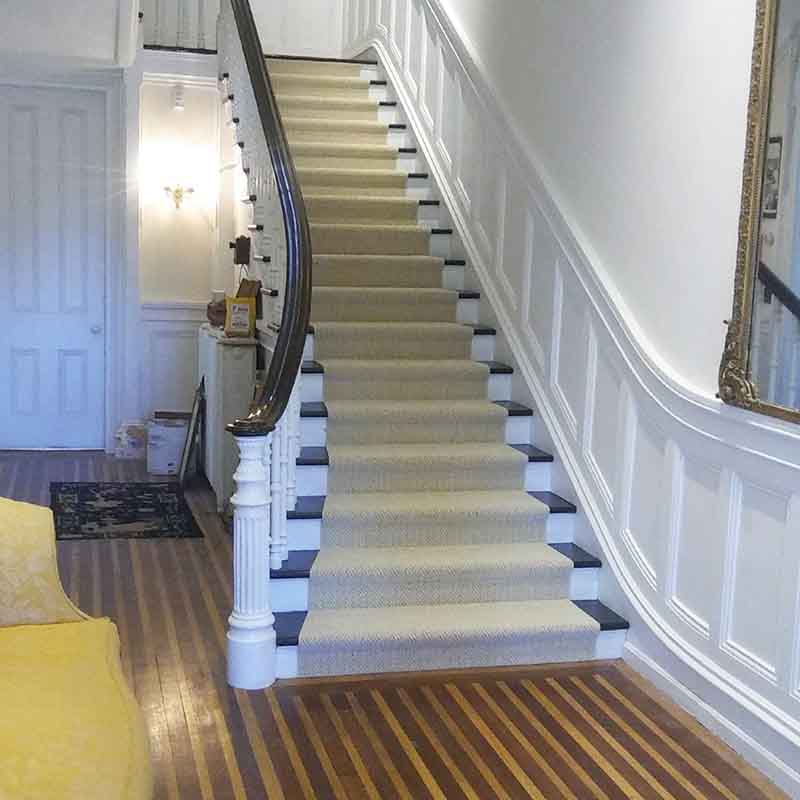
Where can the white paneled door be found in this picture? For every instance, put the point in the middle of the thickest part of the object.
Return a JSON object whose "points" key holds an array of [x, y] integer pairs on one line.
{"points": [[52, 268]]}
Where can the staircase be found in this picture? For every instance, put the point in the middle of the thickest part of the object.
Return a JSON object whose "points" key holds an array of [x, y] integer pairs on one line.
{"points": [[425, 535]]}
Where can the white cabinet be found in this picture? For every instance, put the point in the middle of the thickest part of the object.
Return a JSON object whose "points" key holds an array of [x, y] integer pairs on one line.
{"points": [[229, 368]]}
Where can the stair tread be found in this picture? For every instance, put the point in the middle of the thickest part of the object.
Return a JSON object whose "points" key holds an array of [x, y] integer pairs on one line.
{"points": [[364, 62], [311, 506], [310, 367], [477, 330], [319, 457], [443, 620], [300, 562], [319, 409]]}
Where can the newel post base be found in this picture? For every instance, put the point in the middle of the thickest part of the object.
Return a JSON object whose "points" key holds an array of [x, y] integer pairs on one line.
{"points": [[252, 647]]}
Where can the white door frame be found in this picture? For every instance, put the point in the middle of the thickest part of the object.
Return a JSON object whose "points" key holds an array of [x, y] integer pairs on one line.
{"points": [[121, 290]]}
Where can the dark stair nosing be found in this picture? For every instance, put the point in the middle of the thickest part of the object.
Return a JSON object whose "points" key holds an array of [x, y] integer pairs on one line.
{"points": [[430, 202], [288, 625], [455, 262], [418, 176], [378, 83], [313, 457], [407, 151], [535, 455], [468, 294], [514, 409], [311, 506], [283, 57], [387, 103], [319, 410], [397, 126], [297, 565], [310, 367], [607, 619], [579, 557], [556, 503]]}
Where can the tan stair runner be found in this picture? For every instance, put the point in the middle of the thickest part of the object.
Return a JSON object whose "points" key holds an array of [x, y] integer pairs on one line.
{"points": [[432, 553]]}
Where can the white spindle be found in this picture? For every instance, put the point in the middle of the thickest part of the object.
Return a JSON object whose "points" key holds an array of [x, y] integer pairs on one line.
{"points": [[283, 428], [252, 651], [294, 444], [278, 490]]}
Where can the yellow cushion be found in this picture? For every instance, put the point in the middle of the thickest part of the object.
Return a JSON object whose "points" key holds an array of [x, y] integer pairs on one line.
{"points": [[70, 728], [30, 590]]}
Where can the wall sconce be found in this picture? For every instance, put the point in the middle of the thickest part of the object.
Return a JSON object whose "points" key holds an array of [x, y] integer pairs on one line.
{"points": [[178, 193]]}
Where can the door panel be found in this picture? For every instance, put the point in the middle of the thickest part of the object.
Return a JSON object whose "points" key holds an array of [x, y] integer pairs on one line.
{"points": [[52, 268]]}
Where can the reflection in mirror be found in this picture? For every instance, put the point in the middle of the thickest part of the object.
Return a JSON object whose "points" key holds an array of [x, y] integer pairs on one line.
{"points": [[775, 317]]}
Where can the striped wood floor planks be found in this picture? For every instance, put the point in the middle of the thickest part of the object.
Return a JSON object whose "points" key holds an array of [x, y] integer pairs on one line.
{"points": [[571, 731]]}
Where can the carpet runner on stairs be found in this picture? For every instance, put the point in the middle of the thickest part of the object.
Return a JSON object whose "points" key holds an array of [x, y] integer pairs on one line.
{"points": [[432, 553]]}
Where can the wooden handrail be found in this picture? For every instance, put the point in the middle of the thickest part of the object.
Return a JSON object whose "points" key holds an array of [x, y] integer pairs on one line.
{"points": [[776, 286], [288, 353]]}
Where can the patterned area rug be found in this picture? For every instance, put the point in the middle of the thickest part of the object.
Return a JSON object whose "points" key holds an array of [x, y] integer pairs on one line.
{"points": [[121, 511]]}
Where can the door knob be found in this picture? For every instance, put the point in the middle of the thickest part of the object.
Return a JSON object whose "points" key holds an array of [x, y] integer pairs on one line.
{"points": [[95, 329]]}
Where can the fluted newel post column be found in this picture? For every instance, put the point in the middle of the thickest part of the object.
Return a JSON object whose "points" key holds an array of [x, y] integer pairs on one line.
{"points": [[252, 652]]}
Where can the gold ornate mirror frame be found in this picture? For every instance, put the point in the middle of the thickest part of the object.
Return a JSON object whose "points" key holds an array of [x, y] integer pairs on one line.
{"points": [[735, 386]]}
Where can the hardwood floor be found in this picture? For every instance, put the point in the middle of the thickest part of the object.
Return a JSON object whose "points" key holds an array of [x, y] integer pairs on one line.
{"points": [[571, 731]]}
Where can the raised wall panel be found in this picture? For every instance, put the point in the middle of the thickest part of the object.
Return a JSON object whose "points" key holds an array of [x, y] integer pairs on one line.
{"points": [[397, 30], [25, 381], [414, 54], [73, 382], [24, 222], [751, 620], [430, 75], [448, 122], [650, 494], [470, 148], [73, 211], [538, 286], [512, 253], [569, 353], [603, 433], [490, 201], [174, 369], [698, 545]]}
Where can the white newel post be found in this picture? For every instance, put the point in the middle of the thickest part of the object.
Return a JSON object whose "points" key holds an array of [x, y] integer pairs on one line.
{"points": [[252, 650]]}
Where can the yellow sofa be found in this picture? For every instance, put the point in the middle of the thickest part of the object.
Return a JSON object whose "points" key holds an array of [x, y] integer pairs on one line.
{"points": [[70, 728]]}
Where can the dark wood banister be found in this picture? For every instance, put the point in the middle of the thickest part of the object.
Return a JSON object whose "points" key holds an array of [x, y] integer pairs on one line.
{"points": [[288, 353], [776, 286]]}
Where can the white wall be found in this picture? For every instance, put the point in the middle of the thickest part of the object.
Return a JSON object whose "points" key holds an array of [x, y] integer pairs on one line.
{"points": [[299, 27], [176, 251], [635, 112], [693, 506], [78, 33]]}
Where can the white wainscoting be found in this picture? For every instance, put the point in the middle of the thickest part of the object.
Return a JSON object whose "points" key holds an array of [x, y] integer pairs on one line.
{"points": [[695, 506], [169, 355], [181, 23]]}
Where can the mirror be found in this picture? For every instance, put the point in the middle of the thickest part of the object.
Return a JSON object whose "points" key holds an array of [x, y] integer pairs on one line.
{"points": [[760, 367]]}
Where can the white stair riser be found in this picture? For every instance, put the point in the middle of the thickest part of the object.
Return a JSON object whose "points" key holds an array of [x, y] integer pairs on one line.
{"points": [[313, 480], [306, 534], [312, 389], [482, 348], [291, 594], [313, 431], [609, 645]]}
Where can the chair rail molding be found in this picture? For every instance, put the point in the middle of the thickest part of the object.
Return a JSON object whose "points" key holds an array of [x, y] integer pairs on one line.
{"points": [[695, 505]]}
